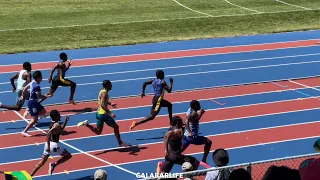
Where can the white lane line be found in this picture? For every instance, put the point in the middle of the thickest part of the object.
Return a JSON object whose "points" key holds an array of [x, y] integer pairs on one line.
{"points": [[192, 9], [190, 65], [80, 151], [192, 73], [150, 20], [293, 5], [242, 7], [221, 134], [215, 121]]}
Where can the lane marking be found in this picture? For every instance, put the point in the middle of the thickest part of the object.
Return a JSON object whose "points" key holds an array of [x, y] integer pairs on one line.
{"points": [[192, 9], [190, 65], [193, 73], [293, 5], [259, 12], [152, 20], [197, 153], [80, 151], [163, 52]]}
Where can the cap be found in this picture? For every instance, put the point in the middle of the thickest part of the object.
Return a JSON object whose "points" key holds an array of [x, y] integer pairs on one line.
{"points": [[220, 157], [100, 175], [309, 169]]}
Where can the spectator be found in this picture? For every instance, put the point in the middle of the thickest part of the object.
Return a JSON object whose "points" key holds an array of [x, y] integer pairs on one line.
{"points": [[100, 174], [220, 158], [187, 167], [309, 169], [281, 173], [238, 174]]}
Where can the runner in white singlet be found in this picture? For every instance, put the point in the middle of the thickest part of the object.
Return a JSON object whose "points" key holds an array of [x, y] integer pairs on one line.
{"points": [[23, 79]]}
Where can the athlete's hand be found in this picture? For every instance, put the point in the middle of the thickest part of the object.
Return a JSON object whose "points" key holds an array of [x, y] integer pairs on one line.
{"points": [[143, 95], [189, 134], [114, 105], [202, 111], [21, 98], [14, 90], [67, 118], [113, 115], [50, 79], [70, 62], [171, 80]]}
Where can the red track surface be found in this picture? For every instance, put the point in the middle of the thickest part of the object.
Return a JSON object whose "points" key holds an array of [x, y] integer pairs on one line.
{"points": [[163, 55], [156, 150], [174, 97], [158, 122]]}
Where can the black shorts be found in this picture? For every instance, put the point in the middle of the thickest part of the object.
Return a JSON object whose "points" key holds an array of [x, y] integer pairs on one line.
{"points": [[157, 103], [56, 82], [173, 159]]}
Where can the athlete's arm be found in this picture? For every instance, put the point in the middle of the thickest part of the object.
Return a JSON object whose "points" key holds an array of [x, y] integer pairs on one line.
{"points": [[144, 87], [65, 122], [27, 77], [165, 86], [103, 101], [189, 117], [69, 64], [12, 81], [200, 113], [52, 71], [24, 90], [166, 140], [54, 127]]}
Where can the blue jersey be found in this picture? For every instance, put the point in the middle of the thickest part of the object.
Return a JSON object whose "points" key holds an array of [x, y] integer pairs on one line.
{"points": [[158, 87], [194, 126], [62, 72], [34, 87]]}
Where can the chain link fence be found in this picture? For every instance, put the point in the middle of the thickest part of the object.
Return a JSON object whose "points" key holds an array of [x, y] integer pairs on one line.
{"points": [[256, 169]]}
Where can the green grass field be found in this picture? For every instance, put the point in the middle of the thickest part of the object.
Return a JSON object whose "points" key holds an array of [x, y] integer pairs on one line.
{"points": [[39, 25]]}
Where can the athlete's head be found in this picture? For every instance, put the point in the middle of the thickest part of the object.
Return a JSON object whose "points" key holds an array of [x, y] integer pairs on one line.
{"points": [[160, 74], [107, 84], [37, 76], [195, 105], [177, 122], [27, 66], [63, 57], [55, 115]]}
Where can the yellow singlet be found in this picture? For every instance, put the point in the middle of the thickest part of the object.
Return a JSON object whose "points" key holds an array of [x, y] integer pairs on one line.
{"points": [[101, 110]]}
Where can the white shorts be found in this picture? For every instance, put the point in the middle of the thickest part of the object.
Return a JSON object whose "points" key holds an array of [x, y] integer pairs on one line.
{"points": [[55, 149]]}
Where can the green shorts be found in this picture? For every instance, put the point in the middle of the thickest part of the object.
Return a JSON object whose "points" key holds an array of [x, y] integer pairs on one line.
{"points": [[104, 118]]}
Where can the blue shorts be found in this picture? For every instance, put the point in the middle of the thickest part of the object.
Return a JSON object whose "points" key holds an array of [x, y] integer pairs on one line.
{"points": [[35, 108], [104, 118], [198, 140]]}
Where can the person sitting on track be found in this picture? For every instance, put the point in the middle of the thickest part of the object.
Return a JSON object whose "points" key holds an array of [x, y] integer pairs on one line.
{"points": [[52, 146], [173, 152], [104, 115], [23, 79], [159, 86], [191, 135], [59, 79]]}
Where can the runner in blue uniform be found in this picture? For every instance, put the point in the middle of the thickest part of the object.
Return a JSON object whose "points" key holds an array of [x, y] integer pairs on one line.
{"points": [[34, 106], [59, 79], [159, 86], [191, 135]]}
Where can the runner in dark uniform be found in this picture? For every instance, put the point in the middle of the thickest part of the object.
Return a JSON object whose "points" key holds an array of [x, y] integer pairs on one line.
{"points": [[159, 86], [59, 79], [173, 144], [52, 146]]}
